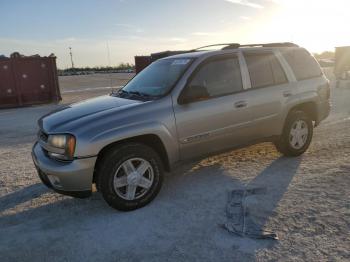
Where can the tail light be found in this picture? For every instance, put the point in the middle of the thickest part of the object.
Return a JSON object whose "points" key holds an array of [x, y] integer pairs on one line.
{"points": [[328, 91], [324, 91]]}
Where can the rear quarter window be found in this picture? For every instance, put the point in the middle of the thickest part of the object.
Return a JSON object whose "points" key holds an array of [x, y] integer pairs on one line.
{"points": [[302, 63]]}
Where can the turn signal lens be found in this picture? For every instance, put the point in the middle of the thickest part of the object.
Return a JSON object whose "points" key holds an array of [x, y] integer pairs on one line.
{"points": [[70, 146]]}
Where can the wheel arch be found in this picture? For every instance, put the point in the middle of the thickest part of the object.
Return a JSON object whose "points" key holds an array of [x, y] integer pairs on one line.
{"points": [[151, 140], [309, 108]]}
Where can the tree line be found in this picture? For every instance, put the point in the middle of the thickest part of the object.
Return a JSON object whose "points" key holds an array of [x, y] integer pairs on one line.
{"points": [[122, 67]]}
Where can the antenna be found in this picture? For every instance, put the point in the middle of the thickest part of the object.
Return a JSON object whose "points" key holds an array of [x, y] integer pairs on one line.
{"points": [[71, 57], [109, 65]]}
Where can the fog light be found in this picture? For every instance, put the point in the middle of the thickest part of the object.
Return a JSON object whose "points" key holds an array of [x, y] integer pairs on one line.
{"points": [[54, 180]]}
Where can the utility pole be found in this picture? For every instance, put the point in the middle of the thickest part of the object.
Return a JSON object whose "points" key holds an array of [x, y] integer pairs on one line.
{"points": [[71, 56]]}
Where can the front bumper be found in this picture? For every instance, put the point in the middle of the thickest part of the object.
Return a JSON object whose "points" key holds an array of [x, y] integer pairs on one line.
{"points": [[68, 178]]}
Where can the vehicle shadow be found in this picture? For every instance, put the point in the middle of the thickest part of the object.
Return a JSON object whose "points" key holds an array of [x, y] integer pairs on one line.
{"points": [[271, 183], [23, 195], [183, 220], [274, 181]]}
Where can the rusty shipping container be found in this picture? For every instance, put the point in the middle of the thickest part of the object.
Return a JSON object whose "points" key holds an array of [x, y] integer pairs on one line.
{"points": [[141, 62], [28, 80]]}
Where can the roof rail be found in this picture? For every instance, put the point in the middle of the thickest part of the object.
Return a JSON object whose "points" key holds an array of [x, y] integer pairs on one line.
{"points": [[234, 45], [156, 56], [281, 44], [237, 45]]}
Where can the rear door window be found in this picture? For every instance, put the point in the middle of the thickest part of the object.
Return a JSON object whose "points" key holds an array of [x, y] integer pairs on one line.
{"points": [[277, 70], [264, 70], [302, 63]]}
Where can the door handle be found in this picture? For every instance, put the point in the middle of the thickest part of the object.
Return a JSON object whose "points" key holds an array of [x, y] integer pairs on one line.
{"points": [[287, 93], [241, 104]]}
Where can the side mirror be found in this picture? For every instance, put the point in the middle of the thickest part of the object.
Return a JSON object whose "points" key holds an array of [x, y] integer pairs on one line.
{"points": [[192, 94]]}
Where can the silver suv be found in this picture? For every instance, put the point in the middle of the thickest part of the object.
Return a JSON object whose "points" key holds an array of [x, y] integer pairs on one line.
{"points": [[181, 107]]}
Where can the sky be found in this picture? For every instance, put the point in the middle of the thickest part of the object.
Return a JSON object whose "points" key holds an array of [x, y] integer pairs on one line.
{"points": [[139, 27]]}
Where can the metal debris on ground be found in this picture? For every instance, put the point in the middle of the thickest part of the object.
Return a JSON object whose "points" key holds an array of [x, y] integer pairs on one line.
{"points": [[240, 220]]}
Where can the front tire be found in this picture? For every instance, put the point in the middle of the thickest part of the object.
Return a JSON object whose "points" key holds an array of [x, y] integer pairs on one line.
{"points": [[297, 134], [130, 176]]}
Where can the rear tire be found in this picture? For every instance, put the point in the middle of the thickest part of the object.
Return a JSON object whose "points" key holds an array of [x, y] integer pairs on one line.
{"points": [[297, 134], [130, 176]]}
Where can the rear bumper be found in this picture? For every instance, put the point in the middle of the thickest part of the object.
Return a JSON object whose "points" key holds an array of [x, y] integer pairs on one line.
{"points": [[324, 110], [72, 178]]}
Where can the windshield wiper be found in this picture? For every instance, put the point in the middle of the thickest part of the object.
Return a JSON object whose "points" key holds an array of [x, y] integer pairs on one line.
{"points": [[118, 92], [137, 93], [121, 93], [140, 94], [128, 94]]}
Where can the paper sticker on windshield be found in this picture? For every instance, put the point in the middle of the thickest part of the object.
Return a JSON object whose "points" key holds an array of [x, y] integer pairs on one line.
{"points": [[180, 62]]}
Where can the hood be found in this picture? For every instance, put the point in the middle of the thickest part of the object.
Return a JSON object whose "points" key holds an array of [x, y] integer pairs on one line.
{"points": [[67, 115]]}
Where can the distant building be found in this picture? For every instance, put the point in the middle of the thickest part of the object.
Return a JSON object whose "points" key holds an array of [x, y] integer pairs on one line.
{"points": [[342, 62]]}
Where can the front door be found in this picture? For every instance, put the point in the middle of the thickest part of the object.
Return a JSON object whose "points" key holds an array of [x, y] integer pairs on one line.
{"points": [[217, 116]]}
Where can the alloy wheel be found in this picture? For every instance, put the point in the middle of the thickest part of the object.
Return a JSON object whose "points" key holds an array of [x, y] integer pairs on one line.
{"points": [[298, 134], [133, 178]]}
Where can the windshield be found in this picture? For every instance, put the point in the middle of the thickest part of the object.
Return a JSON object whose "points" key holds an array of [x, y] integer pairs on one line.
{"points": [[158, 78]]}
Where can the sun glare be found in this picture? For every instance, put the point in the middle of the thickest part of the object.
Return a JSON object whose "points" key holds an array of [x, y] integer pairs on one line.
{"points": [[317, 25]]}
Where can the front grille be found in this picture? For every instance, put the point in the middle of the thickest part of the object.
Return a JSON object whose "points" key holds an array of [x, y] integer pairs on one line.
{"points": [[42, 136]]}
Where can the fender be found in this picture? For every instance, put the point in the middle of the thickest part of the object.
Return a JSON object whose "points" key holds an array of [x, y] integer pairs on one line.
{"points": [[311, 98], [101, 140]]}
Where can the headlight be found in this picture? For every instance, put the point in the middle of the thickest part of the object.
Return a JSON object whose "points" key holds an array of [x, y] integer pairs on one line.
{"points": [[61, 146], [57, 141]]}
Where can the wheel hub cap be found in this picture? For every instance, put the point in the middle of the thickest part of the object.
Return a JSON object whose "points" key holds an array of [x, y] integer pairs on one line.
{"points": [[298, 134], [133, 178]]}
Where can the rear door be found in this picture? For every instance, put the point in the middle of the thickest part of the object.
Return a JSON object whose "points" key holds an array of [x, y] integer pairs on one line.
{"points": [[220, 120], [270, 90]]}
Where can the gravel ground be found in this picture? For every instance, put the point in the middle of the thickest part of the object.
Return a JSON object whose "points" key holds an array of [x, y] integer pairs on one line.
{"points": [[307, 203]]}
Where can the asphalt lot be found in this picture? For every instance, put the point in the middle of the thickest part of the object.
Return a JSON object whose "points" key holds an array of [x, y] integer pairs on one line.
{"points": [[305, 201]]}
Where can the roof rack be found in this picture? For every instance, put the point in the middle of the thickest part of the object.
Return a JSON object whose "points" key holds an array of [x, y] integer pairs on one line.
{"points": [[237, 45], [281, 44], [156, 56], [233, 45]]}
